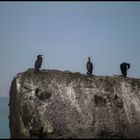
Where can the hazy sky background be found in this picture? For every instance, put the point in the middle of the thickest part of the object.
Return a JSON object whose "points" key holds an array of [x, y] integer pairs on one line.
{"points": [[66, 33]]}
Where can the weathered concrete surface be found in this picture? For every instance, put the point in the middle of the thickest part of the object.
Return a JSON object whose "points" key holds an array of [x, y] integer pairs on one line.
{"points": [[56, 104]]}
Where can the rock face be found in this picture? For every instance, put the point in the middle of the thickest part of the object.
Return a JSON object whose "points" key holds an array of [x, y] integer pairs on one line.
{"points": [[56, 104]]}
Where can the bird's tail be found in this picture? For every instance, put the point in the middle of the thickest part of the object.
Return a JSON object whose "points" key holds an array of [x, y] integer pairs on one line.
{"points": [[36, 70]]}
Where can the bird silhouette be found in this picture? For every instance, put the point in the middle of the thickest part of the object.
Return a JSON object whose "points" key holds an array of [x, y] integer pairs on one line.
{"points": [[38, 63], [124, 67], [89, 67]]}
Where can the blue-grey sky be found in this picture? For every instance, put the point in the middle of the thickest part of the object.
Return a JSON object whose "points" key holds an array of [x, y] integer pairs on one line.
{"points": [[66, 33]]}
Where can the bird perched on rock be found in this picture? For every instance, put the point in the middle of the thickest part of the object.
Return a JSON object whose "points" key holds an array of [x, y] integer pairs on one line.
{"points": [[89, 67], [38, 63], [124, 67]]}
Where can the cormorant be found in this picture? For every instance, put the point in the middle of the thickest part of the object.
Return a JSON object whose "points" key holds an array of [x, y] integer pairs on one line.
{"points": [[124, 67], [89, 67], [38, 63]]}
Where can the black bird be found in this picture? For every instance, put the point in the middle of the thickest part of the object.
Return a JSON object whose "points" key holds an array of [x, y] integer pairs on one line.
{"points": [[38, 63], [89, 67], [124, 67]]}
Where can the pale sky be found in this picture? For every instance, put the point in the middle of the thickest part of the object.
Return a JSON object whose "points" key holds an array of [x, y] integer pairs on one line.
{"points": [[66, 33]]}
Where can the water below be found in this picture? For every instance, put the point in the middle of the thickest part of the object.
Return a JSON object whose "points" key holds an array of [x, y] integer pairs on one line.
{"points": [[4, 118]]}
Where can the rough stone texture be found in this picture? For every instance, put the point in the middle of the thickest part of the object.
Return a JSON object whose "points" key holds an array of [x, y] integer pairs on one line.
{"points": [[56, 104]]}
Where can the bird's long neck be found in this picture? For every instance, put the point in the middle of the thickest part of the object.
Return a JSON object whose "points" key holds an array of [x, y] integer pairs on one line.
{"points": [[88, 59]]}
